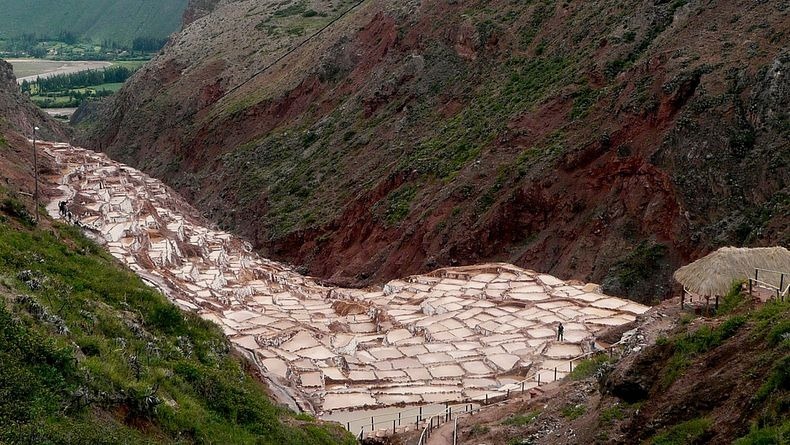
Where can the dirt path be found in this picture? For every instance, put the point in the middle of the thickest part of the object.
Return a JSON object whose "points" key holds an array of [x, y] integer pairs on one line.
{"points": [[443, 435]]}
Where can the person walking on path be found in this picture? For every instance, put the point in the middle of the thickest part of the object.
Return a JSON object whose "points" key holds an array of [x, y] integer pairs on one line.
{"points": [[560, 331]]}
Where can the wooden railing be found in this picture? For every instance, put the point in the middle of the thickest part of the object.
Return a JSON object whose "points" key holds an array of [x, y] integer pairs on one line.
{"points": [[435, 421], [781, 291]]}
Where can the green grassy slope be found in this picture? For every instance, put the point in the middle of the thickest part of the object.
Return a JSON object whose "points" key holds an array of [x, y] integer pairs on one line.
{"points": [[90, 354], [97, 20]]}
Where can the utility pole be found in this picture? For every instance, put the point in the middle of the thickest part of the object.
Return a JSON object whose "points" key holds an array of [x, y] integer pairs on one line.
{"points": [[35, 171]]}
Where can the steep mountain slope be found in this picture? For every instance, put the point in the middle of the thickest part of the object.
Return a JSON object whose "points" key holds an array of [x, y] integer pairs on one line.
{"points": [[18, 116], [97, 20], [89, 354], [605, 141]]}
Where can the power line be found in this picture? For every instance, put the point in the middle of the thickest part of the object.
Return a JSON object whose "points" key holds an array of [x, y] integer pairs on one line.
{"points": [[292, 50], [278, 59]]}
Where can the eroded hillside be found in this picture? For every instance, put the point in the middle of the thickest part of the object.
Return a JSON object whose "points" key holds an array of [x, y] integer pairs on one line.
{"points": [[603, 141]]}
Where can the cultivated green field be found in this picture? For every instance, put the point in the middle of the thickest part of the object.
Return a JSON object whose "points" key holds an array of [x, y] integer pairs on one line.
{"points": [[131, 64], [115, 86], [69, 93], [60, 100], [95, 20]]}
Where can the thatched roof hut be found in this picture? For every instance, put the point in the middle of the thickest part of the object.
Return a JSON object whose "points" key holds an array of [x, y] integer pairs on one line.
{"points": [[714, 273]]}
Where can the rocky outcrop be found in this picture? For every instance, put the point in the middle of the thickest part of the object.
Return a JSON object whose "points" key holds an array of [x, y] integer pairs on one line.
{"points": [[597, 142], [633, 382]]}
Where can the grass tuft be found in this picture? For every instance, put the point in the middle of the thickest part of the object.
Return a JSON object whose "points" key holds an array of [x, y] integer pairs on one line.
{"points": [[611, 414], [588, 367], [521, 419], [733, 300], [689, 432], [573, 412]]}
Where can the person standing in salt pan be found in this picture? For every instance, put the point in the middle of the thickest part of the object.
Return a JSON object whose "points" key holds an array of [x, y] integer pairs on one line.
{"points": [[560, 331]]}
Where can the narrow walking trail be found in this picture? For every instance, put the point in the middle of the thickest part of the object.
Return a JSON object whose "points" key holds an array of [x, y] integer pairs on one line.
{"points": [[452, 335], [443, 435]]}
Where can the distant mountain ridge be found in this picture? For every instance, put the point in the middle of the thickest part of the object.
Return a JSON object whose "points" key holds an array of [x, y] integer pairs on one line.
{"points": [[120, 21]]}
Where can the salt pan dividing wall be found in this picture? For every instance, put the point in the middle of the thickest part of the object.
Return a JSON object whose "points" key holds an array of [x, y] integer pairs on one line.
{"points": [[455, 334]]}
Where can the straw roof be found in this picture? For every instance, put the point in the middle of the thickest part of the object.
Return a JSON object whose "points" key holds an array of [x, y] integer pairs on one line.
{"points": [[714, 273]]}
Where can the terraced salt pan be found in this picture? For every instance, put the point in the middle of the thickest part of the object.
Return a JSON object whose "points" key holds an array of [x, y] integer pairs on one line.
{"points": [[451, 335], [561, 350]]}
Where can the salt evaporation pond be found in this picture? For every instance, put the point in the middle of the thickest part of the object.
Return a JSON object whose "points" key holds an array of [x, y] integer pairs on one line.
{"points": [[453, 335]]}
